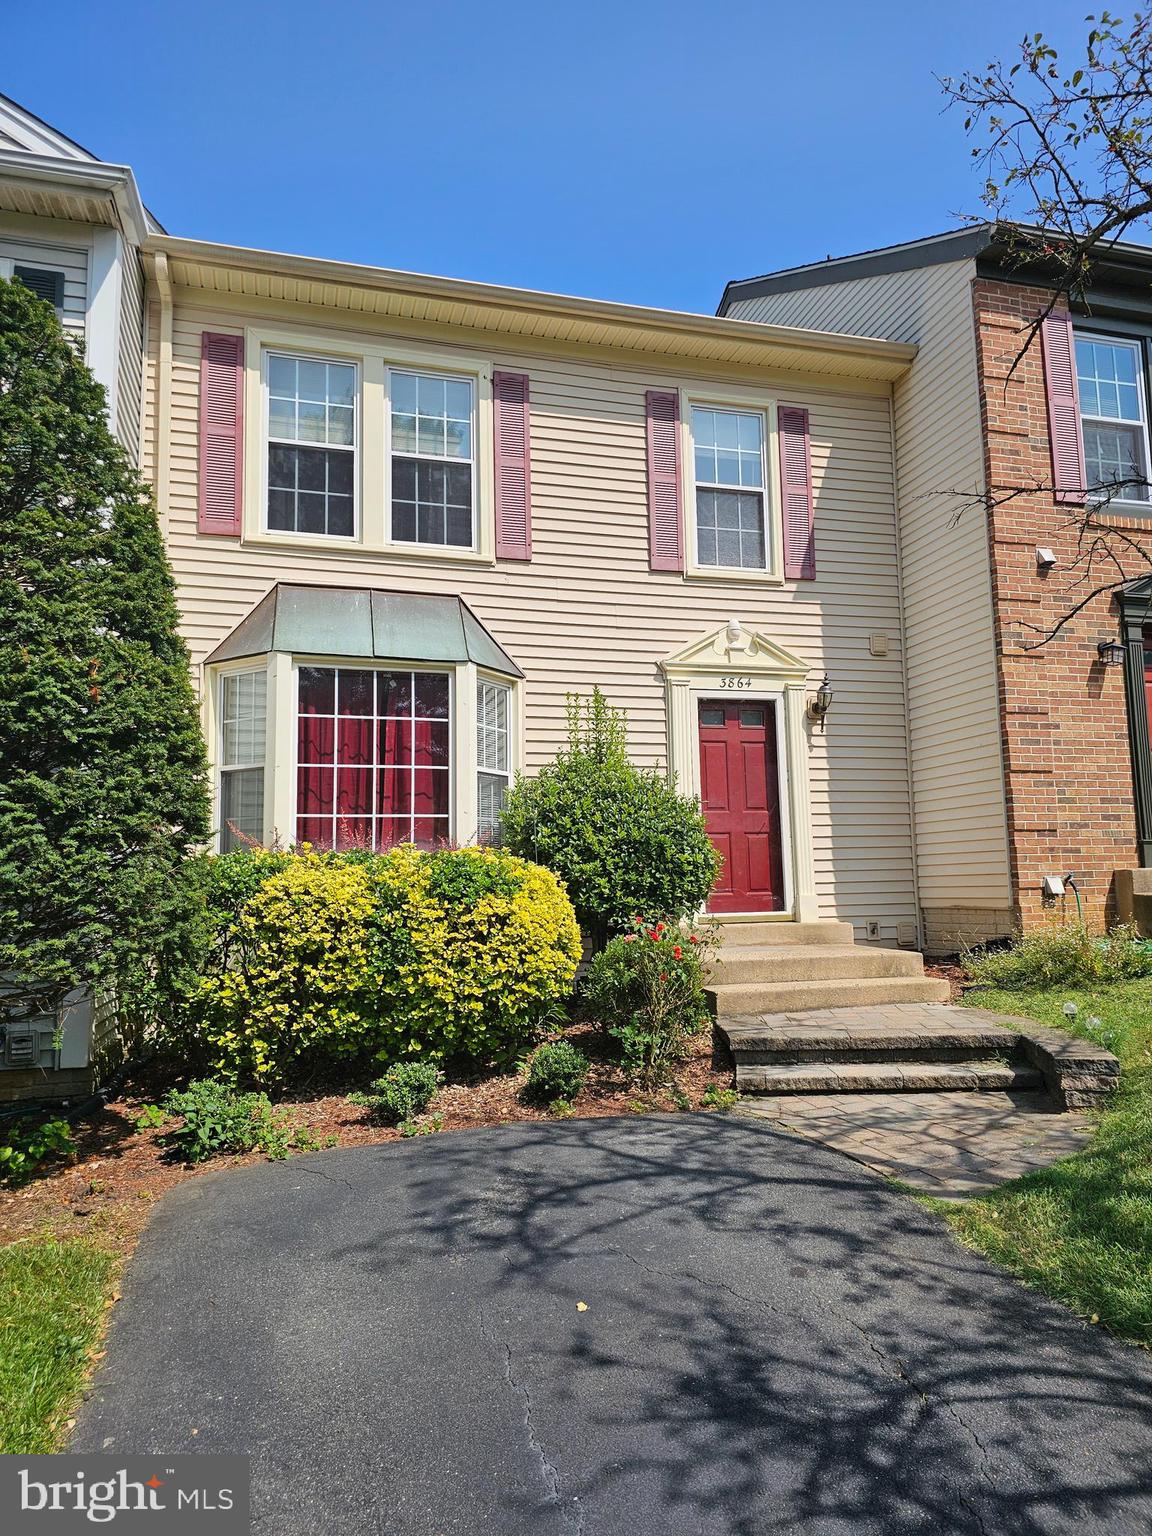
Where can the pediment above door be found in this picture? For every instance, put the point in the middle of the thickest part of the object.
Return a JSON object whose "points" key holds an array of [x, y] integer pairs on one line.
{"points": [[732, 648]]}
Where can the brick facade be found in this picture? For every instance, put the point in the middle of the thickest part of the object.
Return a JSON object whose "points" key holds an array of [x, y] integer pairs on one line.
{"points": [[1064, 723]]}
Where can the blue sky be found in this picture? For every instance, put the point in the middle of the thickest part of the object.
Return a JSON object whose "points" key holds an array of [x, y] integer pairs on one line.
{"points": [[623, 149]]}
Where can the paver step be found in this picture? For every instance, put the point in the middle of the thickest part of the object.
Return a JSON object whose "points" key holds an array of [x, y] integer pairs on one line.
{"points": [[730, 998], [886, 1077], [735, 935], [773, 1038], [811, 962]]}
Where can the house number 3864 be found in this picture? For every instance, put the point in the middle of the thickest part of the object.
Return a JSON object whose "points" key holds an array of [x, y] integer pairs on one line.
{"points": [[735, 682]]}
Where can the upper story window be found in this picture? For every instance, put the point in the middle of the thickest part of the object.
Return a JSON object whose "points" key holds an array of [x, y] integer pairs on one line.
{"points": [[1113, 414], [728, 452], [243, 715], [311, 446], [45, 282], [433, 467]]}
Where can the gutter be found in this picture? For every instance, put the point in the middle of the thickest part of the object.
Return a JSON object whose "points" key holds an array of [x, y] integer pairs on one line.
{"points": [[117, 180], [156, 267]]}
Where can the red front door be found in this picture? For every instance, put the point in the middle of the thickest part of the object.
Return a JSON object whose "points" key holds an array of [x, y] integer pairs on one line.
{"points": [[740, 794]]}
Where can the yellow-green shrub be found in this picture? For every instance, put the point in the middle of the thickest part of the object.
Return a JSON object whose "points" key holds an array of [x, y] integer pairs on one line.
{"points": [[453, 954]]}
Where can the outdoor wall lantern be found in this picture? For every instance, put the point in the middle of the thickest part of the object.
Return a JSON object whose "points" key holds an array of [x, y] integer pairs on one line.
{"points": [[819, 706], [1110, 652]]}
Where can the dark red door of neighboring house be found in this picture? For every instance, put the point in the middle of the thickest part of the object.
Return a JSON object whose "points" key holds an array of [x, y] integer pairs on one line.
{"points": [[740, 794]]}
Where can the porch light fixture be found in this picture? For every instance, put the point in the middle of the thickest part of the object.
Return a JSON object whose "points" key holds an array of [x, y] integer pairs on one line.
{"points": [[819, 706], [1110, 652]]}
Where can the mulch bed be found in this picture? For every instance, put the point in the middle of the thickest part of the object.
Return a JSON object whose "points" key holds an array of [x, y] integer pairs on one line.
{"points": [[955, 975], [120, 1173]]}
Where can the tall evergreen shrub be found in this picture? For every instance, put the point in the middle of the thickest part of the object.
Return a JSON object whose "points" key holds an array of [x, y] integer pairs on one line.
{"points": [[102, 768]]}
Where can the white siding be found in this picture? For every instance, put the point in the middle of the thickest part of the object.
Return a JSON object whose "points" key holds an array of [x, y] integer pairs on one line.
{"points": [[957, 772], [131, 351], [587, 609], [72, 260]]}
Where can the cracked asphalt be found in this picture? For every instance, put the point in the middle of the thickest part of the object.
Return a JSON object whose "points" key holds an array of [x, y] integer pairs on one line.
{"points": [[645, 1327]]}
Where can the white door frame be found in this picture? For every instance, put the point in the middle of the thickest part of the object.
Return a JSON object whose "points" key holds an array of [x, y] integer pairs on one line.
{"points": [[733, 663]]}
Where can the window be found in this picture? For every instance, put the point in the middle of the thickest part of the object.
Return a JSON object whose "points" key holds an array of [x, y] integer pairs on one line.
{"points": [[432, 459], [311, 446], [1113, 415], [373, 757], [44, 282], [493, 757], [243, 698], [729, 459]]}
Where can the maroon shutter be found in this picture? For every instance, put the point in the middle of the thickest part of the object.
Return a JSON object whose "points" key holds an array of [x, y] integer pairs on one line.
{"points": [[513, 473], [1059, 348], [221, 433], [665, 543], [796, 493]]}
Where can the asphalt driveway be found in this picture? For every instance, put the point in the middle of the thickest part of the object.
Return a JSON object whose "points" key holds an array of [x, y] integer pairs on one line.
{"points": [[674, 1325]]}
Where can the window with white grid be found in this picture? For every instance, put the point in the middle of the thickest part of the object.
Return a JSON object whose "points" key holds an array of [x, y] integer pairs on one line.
{"points": [[493, 756], [1113, 416], [243, 714], [311, 446], [728, 455], [433, 468]]}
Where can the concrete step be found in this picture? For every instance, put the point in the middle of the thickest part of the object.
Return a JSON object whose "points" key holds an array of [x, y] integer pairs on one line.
{"points": [[886, 1077], [734, 935], [811, 962], [792, 996]]}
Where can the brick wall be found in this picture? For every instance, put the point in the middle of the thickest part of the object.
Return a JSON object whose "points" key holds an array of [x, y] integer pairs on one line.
{"points": [[1063, 719]]}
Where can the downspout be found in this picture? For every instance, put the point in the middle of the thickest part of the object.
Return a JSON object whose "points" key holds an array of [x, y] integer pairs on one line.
{"points": [[162, 426], [913, 820]]}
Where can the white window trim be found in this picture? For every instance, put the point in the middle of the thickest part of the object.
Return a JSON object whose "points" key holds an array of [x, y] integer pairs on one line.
{"points": [[212, 724], [373, 432], [414, 546], [221, 766], [1134, 344], [289, 535], [772, 573]]}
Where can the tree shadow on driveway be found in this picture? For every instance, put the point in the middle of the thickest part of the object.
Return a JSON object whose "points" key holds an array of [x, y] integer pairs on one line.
{"points": [[668, 1325]]}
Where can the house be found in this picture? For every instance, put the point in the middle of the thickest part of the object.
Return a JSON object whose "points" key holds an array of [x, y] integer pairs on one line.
{"points": [[1030, 762], [71, 228]]}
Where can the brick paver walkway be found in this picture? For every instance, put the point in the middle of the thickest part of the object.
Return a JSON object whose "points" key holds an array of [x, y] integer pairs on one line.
{"points": [[948, 1144]]}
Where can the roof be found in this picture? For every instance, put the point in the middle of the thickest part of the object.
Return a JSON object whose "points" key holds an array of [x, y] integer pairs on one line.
{"points": [[1118, 263], [365, 290], [364, 622]]}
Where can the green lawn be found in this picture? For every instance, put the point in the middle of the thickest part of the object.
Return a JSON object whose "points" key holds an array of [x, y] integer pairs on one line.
{"points": [[1081, 1230], [54, 1295]]}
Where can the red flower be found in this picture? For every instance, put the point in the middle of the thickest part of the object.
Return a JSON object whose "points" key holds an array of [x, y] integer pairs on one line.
{"points": [[654, 935], [692, 939], [677, 951], [659, 927], [663, 975]]}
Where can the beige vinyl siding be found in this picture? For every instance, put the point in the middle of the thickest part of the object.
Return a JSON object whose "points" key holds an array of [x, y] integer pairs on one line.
{"points": [[587, 610], [957, 772], [18, 247], [131, 352]]}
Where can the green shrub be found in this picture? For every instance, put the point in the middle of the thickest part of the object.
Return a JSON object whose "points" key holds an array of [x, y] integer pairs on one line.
{"points": [[646, 988], [1064, 956], [216, 1120], [620, 837], [405, 1091], [26, 1145], [460, 953], [558, 1071]]}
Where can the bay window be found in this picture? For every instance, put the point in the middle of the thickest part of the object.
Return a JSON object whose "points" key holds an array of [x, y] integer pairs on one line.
{"points": [[433, 465], [1113, 415], [243, 712], [493, 756], [728, 458], [374, 757], [311, 446]]}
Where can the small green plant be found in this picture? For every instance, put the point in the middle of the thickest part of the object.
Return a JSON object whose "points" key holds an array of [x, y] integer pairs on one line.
{"points": [[1069, 955], [217, 1120], [646, 988], [562, 1109], [715, 1097], [25, 1146], [149, 1117], [405, 1091], [427, 1125], [558, 1071]]}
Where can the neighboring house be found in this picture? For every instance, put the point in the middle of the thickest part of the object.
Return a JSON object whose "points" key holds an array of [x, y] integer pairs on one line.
{"points": [[71, 227], [1028, 765]]}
